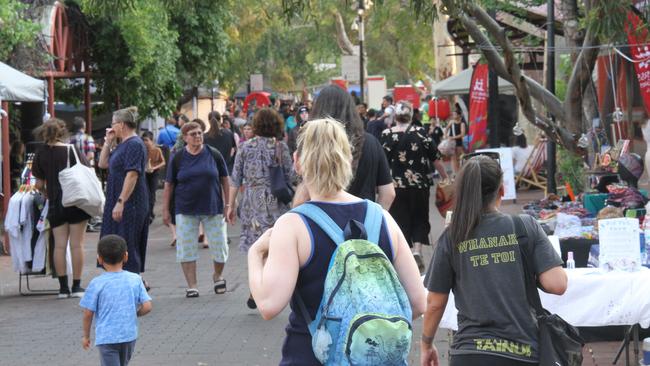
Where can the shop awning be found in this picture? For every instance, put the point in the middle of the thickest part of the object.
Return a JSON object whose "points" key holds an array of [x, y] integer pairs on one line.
{"points": [[459, 85], [16, 86]]}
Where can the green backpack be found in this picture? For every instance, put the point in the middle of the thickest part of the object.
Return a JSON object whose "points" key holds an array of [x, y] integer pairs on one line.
{"points": [[364, 317]]}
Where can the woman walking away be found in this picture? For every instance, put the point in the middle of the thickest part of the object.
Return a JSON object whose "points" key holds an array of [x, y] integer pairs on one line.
{"points": [[155, 162], [259, 207], [410, 151], [293, 257], [371, 174], [126, 212], [68, 223], [198, 178], [221, 139], [456, 131], [489, 312]]}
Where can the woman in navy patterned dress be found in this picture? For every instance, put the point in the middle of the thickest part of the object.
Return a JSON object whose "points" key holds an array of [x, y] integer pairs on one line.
{"points": [[127, 198]]}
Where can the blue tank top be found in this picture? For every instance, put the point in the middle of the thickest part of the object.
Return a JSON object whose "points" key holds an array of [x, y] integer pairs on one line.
{"points": [[296, 349]]}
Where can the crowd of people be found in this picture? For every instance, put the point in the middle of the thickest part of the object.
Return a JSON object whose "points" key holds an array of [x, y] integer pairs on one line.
{"points": [[341, 158]]}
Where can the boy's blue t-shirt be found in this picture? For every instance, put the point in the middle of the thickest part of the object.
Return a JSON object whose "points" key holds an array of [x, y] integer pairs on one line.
{"points": [[114, 297], [197, 189]]}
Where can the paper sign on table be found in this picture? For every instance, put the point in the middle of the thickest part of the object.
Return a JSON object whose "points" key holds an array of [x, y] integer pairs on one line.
{"points": [[619, 244]]}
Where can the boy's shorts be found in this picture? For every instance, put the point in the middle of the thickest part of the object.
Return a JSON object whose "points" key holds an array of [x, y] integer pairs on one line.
{"points": [[187, 232], [116, 354]]}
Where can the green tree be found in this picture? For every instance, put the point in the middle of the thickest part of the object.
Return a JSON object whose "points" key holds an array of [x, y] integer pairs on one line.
{"points": [[15, 28], [148, 51]]}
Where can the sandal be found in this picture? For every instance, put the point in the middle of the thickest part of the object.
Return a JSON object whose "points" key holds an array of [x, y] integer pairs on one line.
{"points": [[220, 286], [191, 292], [173, 243], [251, 303]]}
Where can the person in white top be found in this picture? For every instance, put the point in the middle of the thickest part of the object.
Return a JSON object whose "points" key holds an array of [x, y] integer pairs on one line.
{"points": [[520, 153]]}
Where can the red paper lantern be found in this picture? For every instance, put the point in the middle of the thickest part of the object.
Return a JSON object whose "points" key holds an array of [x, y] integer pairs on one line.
{"points": [[439, 108]]}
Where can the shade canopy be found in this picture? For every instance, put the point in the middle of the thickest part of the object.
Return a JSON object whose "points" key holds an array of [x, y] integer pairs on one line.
{"points": [[16, 86], [459, 84]]}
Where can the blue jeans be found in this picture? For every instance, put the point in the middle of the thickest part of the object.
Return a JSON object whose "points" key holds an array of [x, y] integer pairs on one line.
{"points": [[116, 354]]}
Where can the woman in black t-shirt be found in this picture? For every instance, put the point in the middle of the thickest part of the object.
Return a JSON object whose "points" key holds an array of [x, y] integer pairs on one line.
{"points": [[372, 179], [479, 258], [68, 223], [221, 139]]}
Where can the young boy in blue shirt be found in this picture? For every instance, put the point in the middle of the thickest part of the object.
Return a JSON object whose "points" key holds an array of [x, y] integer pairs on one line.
{"points": [[117, 298]]}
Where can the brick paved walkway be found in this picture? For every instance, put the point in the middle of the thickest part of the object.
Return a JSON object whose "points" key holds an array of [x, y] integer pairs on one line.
{"points": [[210, 330]]}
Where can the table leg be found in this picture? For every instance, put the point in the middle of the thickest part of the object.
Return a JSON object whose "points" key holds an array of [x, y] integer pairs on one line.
{"points": [[635, 332]]}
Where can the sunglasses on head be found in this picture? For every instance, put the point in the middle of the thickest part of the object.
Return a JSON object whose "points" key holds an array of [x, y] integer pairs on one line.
{"points": [[490, 154]]}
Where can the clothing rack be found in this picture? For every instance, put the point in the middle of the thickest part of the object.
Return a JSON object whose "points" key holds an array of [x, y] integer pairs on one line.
{"points": [[27, 183]]}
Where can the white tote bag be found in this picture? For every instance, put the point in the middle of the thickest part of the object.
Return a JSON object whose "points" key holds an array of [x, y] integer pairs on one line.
{"points": [[81, 188]]}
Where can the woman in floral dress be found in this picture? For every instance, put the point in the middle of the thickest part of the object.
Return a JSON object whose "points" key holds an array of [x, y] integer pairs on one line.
{"points": [[410, 151], [259, 208]]}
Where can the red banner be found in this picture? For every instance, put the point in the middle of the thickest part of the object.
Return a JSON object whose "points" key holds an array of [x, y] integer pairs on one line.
{"points": [[637, 36], [478, 107]]}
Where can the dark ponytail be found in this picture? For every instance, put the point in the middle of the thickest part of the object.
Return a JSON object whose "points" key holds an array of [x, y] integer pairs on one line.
{"points": [[477, 186]]}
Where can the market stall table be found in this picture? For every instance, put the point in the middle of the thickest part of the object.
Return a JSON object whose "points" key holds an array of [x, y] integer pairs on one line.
{"points": [[592, 299]]}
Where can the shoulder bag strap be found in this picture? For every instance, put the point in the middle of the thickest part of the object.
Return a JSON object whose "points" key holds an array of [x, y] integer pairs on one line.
{"points": [[524, 246]]}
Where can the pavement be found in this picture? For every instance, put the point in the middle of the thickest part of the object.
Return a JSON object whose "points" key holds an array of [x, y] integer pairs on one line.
{"points": [[208, 330]]}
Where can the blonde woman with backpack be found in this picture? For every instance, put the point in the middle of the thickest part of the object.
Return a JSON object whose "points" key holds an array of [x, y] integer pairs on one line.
{"points": [[294, 257]]}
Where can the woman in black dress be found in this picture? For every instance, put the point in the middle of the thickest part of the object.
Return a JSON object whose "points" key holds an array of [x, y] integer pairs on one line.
{"points": [[68, 223], [126, 210]]}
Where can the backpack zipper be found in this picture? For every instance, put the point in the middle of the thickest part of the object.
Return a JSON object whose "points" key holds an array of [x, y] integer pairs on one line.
{"points": [[363, 319]]}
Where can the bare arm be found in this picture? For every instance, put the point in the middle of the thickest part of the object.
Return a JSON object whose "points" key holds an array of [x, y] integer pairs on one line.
{"points": [[386, 195], [129, 185], [407, 269], [86, 322], [436, 303], [167, 195], [144, 309], [104, 155], [225, 187], [127, 189], [273, 265], [554, 281]]}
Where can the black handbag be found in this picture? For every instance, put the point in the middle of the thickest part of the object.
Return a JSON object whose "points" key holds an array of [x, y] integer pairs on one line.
{"points": [[280, 188], [559, 343]]}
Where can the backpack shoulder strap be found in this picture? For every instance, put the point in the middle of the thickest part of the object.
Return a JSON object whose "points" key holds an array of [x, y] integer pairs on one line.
{"points": [[374, 219], [323, 221], [176, 164]]}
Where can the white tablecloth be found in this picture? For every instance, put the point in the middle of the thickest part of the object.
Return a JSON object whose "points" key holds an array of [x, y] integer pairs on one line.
{"points": [[592, 299]]}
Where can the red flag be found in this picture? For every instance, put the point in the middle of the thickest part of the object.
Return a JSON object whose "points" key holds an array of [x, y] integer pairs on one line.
{"points": [[478, 107], [637, 37]]}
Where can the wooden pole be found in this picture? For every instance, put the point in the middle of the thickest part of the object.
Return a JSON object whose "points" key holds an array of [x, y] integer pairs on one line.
{"points": [[6, 179], [50, 96]]}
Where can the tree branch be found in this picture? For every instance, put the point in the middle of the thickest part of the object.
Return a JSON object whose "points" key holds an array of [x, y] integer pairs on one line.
{"points": [[509, 70], [580, 79], [342, 36]]}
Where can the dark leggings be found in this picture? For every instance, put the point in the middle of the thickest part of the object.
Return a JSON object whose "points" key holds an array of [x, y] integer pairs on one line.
{"points": [[152, 185], [485, 360]]}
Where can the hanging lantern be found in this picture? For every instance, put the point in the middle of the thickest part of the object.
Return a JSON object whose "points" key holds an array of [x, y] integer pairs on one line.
{"points": [[617, 116], [439, 108], [583, 142]]}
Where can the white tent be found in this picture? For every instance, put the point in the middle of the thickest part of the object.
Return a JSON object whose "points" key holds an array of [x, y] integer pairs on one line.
{"points": [[18, 87], [459, 84]]}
